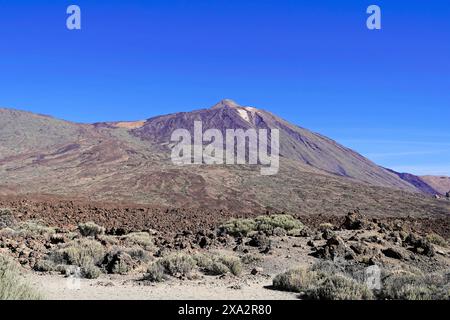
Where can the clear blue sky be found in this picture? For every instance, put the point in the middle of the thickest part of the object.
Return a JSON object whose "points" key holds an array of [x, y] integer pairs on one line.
{"points": [[384, 93]]}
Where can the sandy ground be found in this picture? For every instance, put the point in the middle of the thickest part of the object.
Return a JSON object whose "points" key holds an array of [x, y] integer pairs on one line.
{"points": [[56, 287]]}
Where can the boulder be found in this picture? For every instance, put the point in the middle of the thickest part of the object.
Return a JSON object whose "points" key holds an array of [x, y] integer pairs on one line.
{"points": [[334, 248], [259, 240], [355, 221], [420, 245], [393, 253]]}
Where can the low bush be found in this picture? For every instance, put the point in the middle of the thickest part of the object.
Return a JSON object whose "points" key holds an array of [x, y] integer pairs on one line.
{"points": [[6, 218], [218, 264], [90, 229], [233, 264], [11, 286], [296, 280], [178, 264], [409, 286], [267, 224], [251, 258], [84, 253], [339, 287], [142, 239], [437, 240], [155, 273], [322, 282], [32, 228]]}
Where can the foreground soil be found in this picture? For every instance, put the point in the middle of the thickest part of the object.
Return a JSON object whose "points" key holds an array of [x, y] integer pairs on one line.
{"points": [[128, 288]]}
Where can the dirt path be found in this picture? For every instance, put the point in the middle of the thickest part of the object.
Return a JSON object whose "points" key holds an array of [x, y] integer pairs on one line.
{"points": [[55, 287]]}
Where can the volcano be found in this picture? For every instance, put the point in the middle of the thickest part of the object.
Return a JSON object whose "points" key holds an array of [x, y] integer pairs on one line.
{"points": [[130, 162]]}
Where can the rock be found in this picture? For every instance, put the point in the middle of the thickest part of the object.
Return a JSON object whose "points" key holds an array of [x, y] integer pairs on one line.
{"points": [[266, 250], [358, 248], [354, 221], [256, 270], [259, 240], [393, 253], [204, 242], [305, 232], [372, 239], [420, 245], [334, 248], [311, 244]]}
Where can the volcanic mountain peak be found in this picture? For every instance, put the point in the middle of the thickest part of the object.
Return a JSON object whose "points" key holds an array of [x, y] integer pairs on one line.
{"points": [[130, 161], [226, 103]]}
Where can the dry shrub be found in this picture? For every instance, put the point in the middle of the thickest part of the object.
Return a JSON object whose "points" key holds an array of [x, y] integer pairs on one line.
{"points": [[142, 239], [11, 286], [237, 227], [437, 240], [90, 229]]}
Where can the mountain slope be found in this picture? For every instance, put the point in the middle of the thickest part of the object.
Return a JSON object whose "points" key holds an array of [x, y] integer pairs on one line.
{"points": [[130, 163], [296, 143], [417, 182], [440, 183]]}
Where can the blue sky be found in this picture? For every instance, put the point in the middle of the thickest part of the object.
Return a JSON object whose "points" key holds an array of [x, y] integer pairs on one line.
{"points": [[383, 93]]}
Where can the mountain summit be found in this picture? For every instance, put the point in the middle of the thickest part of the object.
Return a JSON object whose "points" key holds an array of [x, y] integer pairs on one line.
{"points": [[226, 103]]}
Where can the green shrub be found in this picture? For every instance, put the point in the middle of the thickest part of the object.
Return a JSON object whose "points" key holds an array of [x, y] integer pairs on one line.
{"points": [[6, 218], [251, 258], [138, 254], [236, 227], [233, 264], [44, 265], [409, 286], [218, 264], [339, 287], [90, 229], [437, 240], [90, 271], [142, 239], [294, 232], [178, 264], [11, 286], [296, 280], [155, 272], [84, 253], [203, 261], [33, 228], [218, 268]]}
